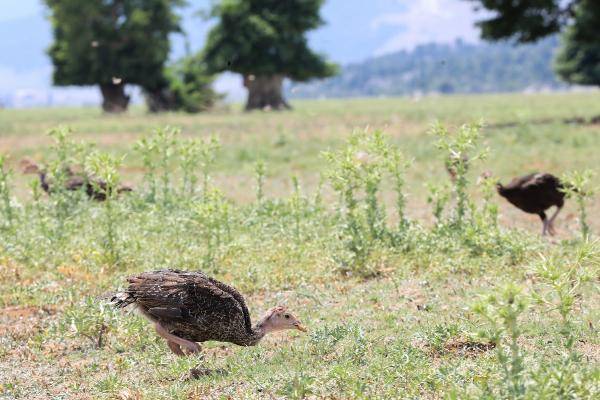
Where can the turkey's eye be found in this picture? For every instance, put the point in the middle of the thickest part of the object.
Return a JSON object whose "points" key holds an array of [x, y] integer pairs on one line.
{"points": [[287, 316]]}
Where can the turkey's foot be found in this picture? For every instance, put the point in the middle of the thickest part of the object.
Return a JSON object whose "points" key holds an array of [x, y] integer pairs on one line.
{"points": [[175, 348], [175, 342], [193, 348]]}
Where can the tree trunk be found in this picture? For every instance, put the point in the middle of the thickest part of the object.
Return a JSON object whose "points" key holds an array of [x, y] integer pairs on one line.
{"points": [[114, 99], [160, 100], [265, 92]]}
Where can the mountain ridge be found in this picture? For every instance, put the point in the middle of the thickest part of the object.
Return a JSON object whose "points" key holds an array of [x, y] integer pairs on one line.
{"points": [[443, 68]]}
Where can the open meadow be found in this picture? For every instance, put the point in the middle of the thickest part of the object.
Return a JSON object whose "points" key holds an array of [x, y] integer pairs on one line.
{"points": [[411, 286]]}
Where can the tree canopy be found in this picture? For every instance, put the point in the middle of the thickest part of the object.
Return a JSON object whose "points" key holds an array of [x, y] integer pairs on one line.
{"points": [[578, 60], [111, 43], [266, 39], [523, 20], [528, 21]]}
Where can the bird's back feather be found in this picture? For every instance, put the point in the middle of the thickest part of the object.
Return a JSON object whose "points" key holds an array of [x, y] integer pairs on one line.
{"points": [[190, 305], [534, 193]]}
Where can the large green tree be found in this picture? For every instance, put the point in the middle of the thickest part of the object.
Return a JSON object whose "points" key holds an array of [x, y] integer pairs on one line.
{"points": [[265, 41], [578, 60], [111, 43]]}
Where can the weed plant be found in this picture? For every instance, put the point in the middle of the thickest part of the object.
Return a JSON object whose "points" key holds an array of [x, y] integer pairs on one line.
{"points": [[207, 156], [578, 185], [461, 151], [63, 201], [5, 195], [146, 147], [105, 168], [356, 173], [165, 143], [502, 313], [526, 376], [259, 173], [212, 217], [438, 197]]}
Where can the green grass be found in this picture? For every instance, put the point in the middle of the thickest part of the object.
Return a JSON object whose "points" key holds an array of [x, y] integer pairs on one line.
{"points": [[424, 309]]}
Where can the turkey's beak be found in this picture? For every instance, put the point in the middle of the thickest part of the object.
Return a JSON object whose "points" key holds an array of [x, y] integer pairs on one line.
{"points": [[300, 327]]}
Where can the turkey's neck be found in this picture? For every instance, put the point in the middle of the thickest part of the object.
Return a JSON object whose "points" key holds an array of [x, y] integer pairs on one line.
{"points": [[258, 332], [255, 337]]}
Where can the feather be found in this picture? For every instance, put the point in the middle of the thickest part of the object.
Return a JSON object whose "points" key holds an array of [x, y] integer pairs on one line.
{"points": [[534, 193], [191, 305]]}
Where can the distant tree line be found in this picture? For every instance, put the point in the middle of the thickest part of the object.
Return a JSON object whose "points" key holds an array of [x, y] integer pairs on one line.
{"points": [[115, 43], [444, 68]]}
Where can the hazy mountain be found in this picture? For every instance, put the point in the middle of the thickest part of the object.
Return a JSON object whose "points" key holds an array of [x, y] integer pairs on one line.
{"points": [[444, 68]]}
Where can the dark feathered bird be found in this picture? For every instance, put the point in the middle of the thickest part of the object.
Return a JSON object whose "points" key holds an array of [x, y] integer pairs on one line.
{"points": [[190, 307], [534, 194], [94, 188]]}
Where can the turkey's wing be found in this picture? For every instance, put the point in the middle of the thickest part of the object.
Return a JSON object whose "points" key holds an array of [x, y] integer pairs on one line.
{"points": [[176, 296]]}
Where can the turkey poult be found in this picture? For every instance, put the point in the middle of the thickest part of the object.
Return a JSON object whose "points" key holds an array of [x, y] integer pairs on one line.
{"points": [[534, 194], [191, 307], [94, 188]]}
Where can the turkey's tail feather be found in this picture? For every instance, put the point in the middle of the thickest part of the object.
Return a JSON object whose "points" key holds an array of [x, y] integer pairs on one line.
{"points": [[120, 299]]}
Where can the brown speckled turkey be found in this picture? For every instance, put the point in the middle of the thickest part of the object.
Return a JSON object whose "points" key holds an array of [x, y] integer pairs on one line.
{"points": [[535, 193], [94, 188], [190, 307]]}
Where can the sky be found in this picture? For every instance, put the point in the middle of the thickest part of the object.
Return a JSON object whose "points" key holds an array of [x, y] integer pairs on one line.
{"points": [[355, 30]]}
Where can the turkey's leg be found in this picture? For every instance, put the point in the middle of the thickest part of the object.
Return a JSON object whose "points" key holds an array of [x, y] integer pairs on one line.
{"points": [[192, 347], [551, 221], [544, 223], [175, 348]]}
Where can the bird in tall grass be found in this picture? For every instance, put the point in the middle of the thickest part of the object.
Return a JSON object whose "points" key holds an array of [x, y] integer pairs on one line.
{"points": [[190, 307], [94, 188], [535, 193]]}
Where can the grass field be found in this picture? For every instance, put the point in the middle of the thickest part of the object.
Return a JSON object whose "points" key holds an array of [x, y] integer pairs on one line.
{"points": [[399, 303]]}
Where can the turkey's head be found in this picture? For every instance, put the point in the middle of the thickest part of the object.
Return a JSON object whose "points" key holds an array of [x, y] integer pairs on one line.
{"points": [[279, 319]]}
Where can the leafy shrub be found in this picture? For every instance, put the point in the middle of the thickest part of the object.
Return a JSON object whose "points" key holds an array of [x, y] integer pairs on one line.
{"points": [[460, 152], [186, 86], [212, 217], [545, 377], [356, 173], [5, 195], [106, 169], [579, 186]]}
